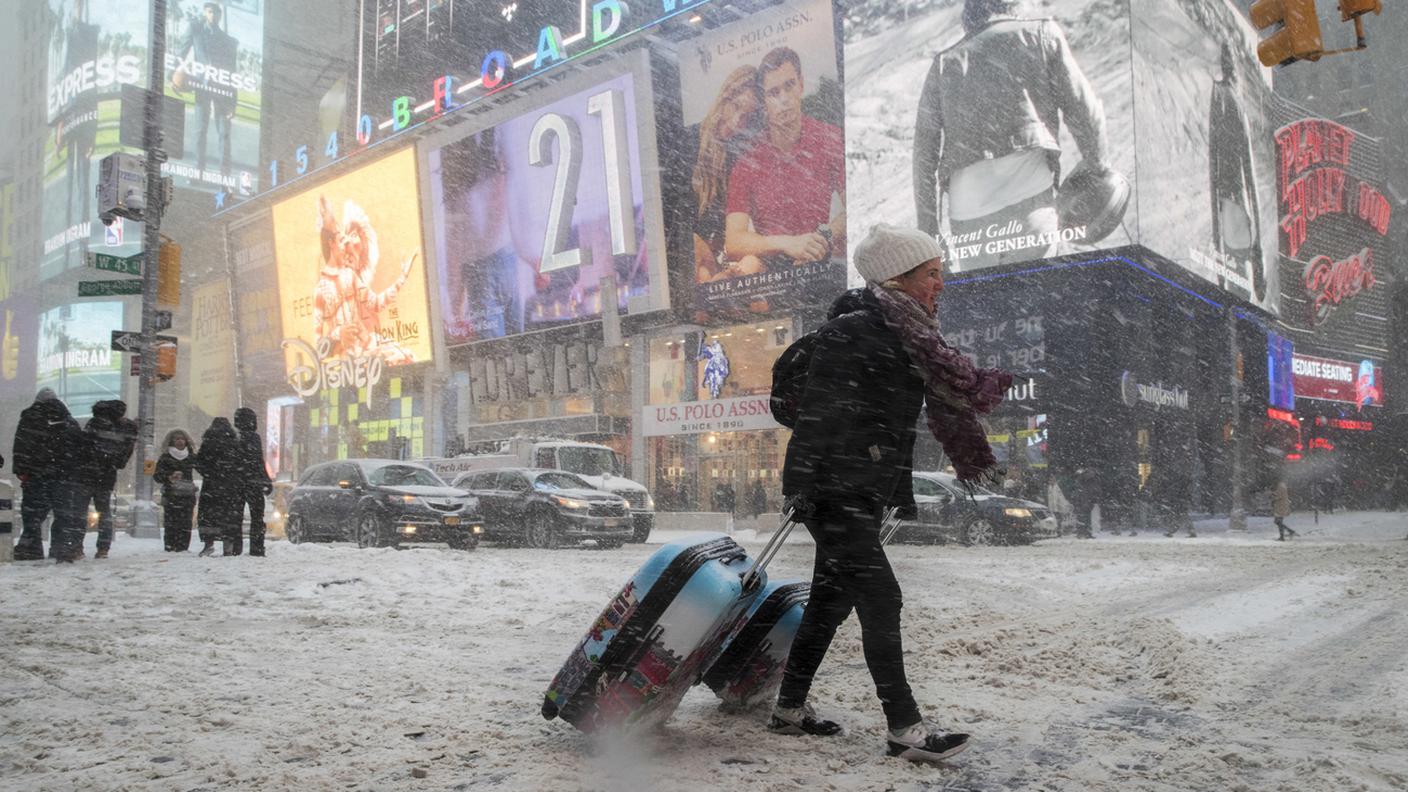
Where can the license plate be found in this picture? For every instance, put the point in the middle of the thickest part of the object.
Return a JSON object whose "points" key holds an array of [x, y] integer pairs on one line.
{"points": [[452, 521], [613, 522]]}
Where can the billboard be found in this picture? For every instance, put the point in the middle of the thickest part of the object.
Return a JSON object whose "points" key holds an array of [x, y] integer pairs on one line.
{"points": [[75, 356], [1203, 105], [965, 119], [351, 276], [532, 212], [212, 374], [214, 65], [256, 301], [763, 110], [1328, 379], [94, 49], [1028, 130], [1334, 221]]}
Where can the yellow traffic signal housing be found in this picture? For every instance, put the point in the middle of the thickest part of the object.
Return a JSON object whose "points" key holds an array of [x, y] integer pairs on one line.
{"points": [[1298, 37], [1351, 9], [165, 362], [168, 281]]}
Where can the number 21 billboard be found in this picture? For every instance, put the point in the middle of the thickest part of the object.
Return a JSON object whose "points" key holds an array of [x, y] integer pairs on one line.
{"points": [[530, 213]]}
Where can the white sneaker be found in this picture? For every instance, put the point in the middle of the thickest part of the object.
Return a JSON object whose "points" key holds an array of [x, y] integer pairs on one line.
{"points": [[925, 742], [802, 720]]}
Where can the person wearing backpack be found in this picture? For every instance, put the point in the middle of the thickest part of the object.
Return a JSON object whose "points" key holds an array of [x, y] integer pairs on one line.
{"points": [[858, 385], [112, 438]]}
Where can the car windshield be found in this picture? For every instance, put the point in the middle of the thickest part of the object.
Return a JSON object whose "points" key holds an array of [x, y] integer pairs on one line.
{"points": [[551, 482], [588, 461], [403, 476]]}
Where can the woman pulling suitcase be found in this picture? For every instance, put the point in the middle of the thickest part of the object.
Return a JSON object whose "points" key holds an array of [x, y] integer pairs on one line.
{"points": [[850, 457]]}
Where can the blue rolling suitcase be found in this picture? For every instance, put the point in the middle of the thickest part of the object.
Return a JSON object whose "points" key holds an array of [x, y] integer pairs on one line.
{"points": [[749, 670], [656, 636]]}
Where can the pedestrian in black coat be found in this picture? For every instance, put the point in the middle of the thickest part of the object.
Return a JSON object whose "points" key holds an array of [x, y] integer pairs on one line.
{"points": [[255, 477], [176, 473], [48, 455], [222, 486], [873, 367], [112, 437]]}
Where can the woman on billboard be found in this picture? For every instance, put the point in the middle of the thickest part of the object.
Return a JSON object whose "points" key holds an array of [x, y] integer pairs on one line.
{"points": [[1235, 231], [725, 134]]}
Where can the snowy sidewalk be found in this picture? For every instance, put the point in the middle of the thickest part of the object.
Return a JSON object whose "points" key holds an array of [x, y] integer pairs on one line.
{"points": [[1230, 661]]}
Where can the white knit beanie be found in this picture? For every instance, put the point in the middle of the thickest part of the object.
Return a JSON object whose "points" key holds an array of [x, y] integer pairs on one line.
{"points": [[890, 251]]}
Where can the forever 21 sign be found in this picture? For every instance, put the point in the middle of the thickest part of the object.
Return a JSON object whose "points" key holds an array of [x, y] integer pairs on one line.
{"points": [[544, 371]]}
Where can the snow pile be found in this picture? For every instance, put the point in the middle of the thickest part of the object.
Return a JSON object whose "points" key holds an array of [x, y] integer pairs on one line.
{"points": [[1228, 662]]}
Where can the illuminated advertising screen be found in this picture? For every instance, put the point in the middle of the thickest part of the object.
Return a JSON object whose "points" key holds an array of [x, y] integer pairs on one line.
{"points": [[1280, 372], [1334, 223], [94, 49], [351, 275], [75, 354], [762, 106], [1018, 130], [214, 65], [1327, 379], [532, 213]]}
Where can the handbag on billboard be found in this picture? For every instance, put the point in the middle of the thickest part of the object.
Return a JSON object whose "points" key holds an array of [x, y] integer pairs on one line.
{"points": [[1095, 199]]}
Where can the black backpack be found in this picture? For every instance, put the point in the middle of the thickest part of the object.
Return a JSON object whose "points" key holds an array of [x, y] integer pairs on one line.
{"points": [[789, 379]]}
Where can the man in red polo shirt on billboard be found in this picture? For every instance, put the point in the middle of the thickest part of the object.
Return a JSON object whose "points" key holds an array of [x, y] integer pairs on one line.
{"points": [[785, 197]]}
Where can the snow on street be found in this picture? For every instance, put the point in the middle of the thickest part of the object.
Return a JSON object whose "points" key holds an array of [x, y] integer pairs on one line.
{"points": [[1226, 662]]}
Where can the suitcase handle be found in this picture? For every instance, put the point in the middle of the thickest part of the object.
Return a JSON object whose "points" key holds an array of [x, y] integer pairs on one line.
{"points": [[889, 526], [750, 578]]}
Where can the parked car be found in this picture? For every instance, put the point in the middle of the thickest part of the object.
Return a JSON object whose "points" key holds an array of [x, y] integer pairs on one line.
{"points": [[544, 508], [381, 503], [947, 513]]}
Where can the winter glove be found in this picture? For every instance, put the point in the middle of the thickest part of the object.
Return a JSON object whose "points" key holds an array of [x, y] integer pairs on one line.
{"points": [[801, 507], [908, 512]]}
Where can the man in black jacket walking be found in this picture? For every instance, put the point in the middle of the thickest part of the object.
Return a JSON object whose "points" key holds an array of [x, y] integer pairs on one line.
{"points": [[49, 449], [254, 476], [111, 439]]}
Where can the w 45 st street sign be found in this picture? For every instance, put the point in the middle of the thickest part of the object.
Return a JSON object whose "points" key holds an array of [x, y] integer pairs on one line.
{"points": [[127, 265]]}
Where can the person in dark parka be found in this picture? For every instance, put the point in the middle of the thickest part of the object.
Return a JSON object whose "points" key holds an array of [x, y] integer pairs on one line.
{"points": [[175, 472], [256, 482], [112, 437], [875, 365], [222, 487], [35, 460]]}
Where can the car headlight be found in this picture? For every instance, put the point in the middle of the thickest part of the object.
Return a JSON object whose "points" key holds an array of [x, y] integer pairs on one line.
{"points": [[1018, 512], [476, 528], [406, 499], [570, 503], [649, 502]]}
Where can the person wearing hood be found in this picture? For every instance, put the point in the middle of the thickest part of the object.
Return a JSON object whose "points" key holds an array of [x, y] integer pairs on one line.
{"points": [[876, 364], [222, 484], [48, 447], [175, 472], [111, 438], [255, 482]]}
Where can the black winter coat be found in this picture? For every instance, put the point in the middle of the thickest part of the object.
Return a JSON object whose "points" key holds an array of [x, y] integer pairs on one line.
{"points": [[165, 466], [254, 473], [49, 443], [854, 438], [222, 483], [112, 437]]}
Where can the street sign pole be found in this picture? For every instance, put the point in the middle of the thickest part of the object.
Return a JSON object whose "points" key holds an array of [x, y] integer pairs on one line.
{"points": [[144, 518]]}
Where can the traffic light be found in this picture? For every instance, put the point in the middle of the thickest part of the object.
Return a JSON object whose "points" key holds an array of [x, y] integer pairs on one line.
{"points": [[1351, 9], [168, 280], [1298, 36], [165, 362]]}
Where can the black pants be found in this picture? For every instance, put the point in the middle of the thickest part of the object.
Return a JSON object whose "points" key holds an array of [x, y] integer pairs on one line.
{"points": [[176, 523], [102, 505], [852, 572], [38, 504], [254, 499]]}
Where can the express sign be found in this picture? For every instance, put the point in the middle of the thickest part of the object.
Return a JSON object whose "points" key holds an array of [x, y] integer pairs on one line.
{"points": [[1338, 380]]}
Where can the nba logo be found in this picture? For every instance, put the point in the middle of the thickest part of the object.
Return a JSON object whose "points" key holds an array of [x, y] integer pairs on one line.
{"points": [[112, 235]]}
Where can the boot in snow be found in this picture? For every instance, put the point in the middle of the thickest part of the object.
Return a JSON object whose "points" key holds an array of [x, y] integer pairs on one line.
{"points": [[801, 720], [925, 742], [208, 550], [102, 553]]}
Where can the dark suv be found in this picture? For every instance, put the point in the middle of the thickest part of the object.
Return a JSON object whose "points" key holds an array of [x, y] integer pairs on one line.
{"points": [[544, 508], [381, 503]]}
